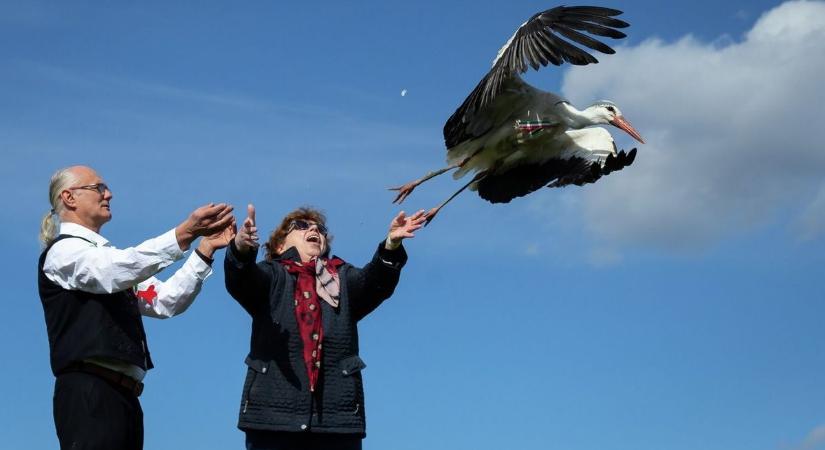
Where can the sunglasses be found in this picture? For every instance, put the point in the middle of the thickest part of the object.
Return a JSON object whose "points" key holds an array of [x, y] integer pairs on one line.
{"points": [[303, 225], [101, 188]]}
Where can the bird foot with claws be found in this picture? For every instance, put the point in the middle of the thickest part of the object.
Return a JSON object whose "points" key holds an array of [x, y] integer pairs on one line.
{"points": [[431, 215], [404, 191]]}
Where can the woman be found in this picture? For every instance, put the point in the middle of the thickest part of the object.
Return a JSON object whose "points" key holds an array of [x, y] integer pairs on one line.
{"points": [[303, 388]]}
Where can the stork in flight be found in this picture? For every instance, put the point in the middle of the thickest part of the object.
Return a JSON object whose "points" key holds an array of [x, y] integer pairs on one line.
{"points": [[517, 138]]}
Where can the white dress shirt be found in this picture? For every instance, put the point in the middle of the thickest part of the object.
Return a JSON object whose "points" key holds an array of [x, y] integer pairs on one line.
{"points": [[95, 265]]}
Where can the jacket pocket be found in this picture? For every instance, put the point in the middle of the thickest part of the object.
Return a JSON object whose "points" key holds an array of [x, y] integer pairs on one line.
{"points": [[350, 369], [256, 369], [351, 365], [256, 364]]}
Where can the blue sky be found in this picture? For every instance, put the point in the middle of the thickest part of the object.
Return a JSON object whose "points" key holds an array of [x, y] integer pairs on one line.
{"points": [[677, 304]]}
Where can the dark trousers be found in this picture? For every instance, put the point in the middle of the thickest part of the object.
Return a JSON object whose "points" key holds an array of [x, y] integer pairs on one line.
{"points": [[275, 440], [92, 414]]}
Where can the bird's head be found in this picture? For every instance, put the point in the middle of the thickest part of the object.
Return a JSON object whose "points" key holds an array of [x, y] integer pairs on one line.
{"points": [[606, 112]]}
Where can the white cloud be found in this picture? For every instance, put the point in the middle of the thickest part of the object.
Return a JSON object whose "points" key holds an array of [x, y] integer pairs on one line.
{"points": [[814, 440], [735, 133]]}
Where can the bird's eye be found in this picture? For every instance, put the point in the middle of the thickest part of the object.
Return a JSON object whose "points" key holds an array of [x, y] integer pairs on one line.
{"points": [[611, 109]]}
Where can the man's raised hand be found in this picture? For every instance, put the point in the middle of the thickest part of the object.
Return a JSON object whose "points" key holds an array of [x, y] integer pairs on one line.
{"points": [[204, 221]]}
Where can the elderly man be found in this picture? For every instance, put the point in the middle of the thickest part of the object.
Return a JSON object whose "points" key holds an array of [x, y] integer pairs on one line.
{"points": [[93, 297]]}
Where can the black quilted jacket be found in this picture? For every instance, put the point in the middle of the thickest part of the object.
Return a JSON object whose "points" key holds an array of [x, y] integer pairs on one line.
{"points": [[276, 392]]}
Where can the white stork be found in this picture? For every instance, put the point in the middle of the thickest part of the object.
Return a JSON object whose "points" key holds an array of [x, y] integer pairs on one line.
{"points": [[517, 138]]}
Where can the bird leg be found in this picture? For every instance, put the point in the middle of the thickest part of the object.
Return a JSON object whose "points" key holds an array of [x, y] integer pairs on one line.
{"points": [[431, 213], [405, 190]]}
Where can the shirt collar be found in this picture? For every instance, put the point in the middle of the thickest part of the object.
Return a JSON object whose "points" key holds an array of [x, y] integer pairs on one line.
{"points": [[78, 230], [289, 254]]}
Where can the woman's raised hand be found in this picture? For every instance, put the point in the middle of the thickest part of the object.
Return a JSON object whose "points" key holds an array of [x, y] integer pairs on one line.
{"points": [[403, 227], [247, 237]]}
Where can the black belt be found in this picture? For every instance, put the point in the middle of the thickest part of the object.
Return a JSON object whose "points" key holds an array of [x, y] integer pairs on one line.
{"points": [[120, 380]]}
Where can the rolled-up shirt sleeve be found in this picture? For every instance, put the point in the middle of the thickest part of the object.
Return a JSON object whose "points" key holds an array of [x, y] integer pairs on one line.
{"points": [[164, 299]]}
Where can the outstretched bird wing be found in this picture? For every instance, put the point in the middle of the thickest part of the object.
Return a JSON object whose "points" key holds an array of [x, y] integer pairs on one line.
{"points": [[555, 172], [575, 157], [542, 40]]}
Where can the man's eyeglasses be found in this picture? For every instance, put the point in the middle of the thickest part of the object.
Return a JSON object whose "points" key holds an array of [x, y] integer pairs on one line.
{"points": [[303, 225], [101, 188]]}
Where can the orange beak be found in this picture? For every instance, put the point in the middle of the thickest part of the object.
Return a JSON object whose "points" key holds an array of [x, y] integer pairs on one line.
{"points": [[620, 122]]}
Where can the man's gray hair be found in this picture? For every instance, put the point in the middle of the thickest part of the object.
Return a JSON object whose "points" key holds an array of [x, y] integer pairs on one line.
{"points": [[61, 180]]}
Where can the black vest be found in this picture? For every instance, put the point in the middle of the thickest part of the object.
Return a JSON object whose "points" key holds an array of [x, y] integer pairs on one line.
{"points": [[82, 325]]}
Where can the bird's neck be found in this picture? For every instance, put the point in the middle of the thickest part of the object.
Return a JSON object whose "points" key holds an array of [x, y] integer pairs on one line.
{"points": [[575, 118]]}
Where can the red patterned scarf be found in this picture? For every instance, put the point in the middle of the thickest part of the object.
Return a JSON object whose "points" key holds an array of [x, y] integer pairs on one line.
{"points": [[317, 278]]}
